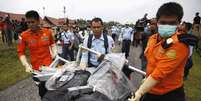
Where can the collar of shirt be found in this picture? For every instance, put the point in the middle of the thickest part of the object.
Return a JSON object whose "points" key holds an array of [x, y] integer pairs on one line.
{"points": [[101, 38], [37, 32]]}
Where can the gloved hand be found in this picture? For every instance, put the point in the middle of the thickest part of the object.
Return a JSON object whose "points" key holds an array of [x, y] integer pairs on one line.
{"points": [[131, 99], [144, 88], [136, 97], [54, 51], [28, 67], [101, 57], [167, 43], [83, 66], [188, 39]]}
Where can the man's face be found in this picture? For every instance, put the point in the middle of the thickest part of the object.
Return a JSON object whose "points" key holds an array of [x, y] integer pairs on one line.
{"points": [[97, 28], [153, 25], [182, 28], [65, 27], [168, 20], [71, 23], [33, 24], [167, 26]]}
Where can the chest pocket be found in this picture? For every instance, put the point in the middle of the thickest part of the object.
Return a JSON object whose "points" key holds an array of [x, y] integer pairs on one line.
{"points": [[44, 41], [32, 43]]}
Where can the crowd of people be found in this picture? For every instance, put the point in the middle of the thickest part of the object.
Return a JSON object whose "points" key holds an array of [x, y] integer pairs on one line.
{"points": [[166, 41], [10, 29]]}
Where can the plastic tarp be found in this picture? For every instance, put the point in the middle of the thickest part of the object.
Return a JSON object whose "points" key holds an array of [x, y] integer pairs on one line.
{"points": [[109, 78]]}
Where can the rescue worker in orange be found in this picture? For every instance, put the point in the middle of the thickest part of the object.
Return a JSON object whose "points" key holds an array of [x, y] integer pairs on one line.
{"points": [[41, 46], [165, 66]]}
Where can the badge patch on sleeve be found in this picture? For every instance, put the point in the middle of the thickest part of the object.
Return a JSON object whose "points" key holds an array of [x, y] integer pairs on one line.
{"points": [[171, 54]]}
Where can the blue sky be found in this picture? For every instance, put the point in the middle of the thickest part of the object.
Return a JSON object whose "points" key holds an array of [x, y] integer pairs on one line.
{"points": [[116, 10]]}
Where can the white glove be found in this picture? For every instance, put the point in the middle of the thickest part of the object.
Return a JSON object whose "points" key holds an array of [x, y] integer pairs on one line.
{"points": [[54, 51], [83, 66], [144, 88], [131, 99], [136, 97], [28, 67], [143, 80]]}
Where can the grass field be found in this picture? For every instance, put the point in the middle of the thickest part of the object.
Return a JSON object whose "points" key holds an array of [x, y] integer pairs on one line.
{"points": [[193, 84], [11, 71]]}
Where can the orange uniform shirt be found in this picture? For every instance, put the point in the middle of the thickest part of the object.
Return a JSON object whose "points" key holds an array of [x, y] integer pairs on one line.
{"points": [[38, 45], [166, 65]]}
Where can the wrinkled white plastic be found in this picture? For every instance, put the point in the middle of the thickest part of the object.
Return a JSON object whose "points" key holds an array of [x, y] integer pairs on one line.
{"points": [[71, 66], [109, 79]]}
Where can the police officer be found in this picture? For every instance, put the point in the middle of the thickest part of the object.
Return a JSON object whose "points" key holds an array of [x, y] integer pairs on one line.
{"points": [[97, 41], [114, 31], [126, 37], [67, 37]]}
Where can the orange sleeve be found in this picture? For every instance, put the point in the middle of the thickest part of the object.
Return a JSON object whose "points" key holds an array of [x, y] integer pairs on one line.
{"points": [[50, 37], [21, 45], [167, 64]]}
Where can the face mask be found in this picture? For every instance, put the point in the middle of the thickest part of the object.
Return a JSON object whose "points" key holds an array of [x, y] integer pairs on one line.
{"points": [[166, 31]]}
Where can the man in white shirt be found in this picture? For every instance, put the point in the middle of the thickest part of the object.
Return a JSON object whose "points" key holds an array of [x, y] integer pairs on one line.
{"points": [[97, 41]]}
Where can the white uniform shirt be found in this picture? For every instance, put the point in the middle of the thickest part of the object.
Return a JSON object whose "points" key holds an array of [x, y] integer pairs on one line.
{"points": [[67, 37], [127, 33], [97, 45]]}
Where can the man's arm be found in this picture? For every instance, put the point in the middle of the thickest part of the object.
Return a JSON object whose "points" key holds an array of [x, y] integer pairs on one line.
{"points": [[53, 47], [84, 58], [21, 46]]}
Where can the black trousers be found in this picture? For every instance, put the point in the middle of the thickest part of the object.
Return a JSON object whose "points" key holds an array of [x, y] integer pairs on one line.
{"points": [[66, 52], [41, 87], [175, 95], [42, 90], [126, 47], [188, 66], [114, 37]]}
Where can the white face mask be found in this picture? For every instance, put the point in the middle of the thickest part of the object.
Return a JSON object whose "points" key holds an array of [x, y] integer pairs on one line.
{"points": [[166, 31]]}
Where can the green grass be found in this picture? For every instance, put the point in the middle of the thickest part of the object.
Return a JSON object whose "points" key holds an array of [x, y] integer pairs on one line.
{"points": [[11, 70], [193, 84]]}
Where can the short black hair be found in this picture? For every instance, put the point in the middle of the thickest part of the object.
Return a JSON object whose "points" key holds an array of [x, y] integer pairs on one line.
{"points": [[170, 9], [188, 25], [197, 13], [97, 20], [32, 14]]}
